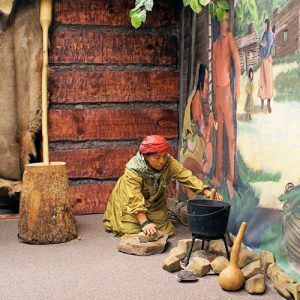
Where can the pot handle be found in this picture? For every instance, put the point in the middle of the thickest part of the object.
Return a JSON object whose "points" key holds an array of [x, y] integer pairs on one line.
{"points": [[211, 214]]}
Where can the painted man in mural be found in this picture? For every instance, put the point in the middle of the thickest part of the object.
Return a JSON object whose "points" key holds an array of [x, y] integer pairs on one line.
{"points": [[224, 49], [196, 151], [265, 82]]}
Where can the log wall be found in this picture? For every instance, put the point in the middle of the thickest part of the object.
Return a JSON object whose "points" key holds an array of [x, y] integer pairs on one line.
{"points": [[109, 86]]}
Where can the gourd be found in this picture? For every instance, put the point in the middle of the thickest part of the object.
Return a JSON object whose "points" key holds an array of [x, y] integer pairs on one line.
{"points": [[232, 278]]}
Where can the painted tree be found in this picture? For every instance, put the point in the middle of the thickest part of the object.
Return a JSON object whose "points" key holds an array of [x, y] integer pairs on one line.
{"points": [[246, 13]]}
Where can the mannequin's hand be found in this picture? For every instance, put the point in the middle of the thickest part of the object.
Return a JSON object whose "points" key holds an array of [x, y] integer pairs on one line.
{"points": [[149, 229], [218, 197]]}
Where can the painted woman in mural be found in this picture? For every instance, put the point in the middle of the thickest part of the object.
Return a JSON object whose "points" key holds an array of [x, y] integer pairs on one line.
{"points": [[248, 108], [224, 49], [265, 82], [196, 150]]}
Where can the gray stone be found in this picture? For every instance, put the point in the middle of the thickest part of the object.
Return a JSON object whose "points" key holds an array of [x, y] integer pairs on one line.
{"points": [[256, 284], [144, 238], [266, 259], [199, 265], [246, 256], [172, 264], [219, 264], [132, 245], [252, 269]]}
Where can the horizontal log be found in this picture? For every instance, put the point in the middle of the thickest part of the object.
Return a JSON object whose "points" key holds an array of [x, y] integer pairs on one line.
{"points": [[90, 199], [100, 163], [112, 48], [104, 12], [81, 125], [75, 87]]}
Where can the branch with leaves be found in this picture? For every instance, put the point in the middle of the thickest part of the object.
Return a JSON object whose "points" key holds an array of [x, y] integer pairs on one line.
{"points": [[215, 7]]}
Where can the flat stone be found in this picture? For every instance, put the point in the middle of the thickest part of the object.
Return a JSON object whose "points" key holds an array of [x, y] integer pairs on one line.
{"points": [[133, 246], [246, 256], [276, 274], [186, 243], [144, 238], [218, 246], [294, 289], [266, 259], [282, 288], [252, 269], [199, 265], [256, 284], [177, 252], [219, 264], [172, 264]]}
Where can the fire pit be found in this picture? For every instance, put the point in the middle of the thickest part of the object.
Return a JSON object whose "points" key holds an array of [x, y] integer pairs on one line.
{"points": [[207, 220]]}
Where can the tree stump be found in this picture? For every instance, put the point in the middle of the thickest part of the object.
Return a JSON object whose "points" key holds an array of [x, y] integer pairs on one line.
{"points": [[45, 214]]}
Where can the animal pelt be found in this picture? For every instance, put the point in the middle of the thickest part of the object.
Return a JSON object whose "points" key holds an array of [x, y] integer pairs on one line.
{"points": [[20, 88]]}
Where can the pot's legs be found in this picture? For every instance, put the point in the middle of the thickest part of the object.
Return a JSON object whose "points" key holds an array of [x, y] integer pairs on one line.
{"points": [[187, 259], [226, 247]]}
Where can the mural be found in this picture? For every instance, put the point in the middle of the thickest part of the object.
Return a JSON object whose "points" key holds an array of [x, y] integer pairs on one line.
{"points": [[253, 148]]}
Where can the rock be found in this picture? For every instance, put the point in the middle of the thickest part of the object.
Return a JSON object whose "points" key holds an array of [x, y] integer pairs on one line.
{"points": [[172, 264], [177, 252], [199, 265], [282, 289], [276, 274], [246, 256], [132, 245], [252, 269], [207, 254], [256, 284], [144, 238], [266, 258], [219, 264], [186, 243], [294, 289], [185, 275], [218, 246]]}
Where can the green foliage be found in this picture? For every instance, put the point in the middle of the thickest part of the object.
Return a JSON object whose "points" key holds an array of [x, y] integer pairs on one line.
{"points": [[139, 13], [287, 86], [246, 13], [216, 8], [248, 175]]}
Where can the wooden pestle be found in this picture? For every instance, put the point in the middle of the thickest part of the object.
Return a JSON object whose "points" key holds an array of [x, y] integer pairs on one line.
{"points": [[45, 20], [232, 278]]}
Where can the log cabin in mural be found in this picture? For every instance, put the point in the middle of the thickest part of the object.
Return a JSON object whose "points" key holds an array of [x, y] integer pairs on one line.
{"points": [[287, 22]]}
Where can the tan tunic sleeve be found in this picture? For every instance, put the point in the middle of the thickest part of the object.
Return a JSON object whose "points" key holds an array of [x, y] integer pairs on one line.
{"points": [[135, 200], [186, 177]]}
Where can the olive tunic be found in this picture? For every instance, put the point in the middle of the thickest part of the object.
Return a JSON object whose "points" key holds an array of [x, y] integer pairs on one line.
{"points": [[134, 193]]}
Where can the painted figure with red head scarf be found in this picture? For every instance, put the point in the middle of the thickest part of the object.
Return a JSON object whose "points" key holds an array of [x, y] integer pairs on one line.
{"points": [[137, 202]]}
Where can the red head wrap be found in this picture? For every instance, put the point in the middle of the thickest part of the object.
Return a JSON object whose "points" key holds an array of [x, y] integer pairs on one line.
{"points": [[154, 144]]}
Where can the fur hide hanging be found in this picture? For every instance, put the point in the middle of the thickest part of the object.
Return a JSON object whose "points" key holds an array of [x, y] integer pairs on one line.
{"points": [[20, 90]]}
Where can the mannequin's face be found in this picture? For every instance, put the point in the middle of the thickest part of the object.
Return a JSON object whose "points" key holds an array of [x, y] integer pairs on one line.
{"points": [[157, 160]]}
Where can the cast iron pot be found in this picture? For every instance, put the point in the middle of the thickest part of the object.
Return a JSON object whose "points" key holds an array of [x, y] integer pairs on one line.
{"points": [[208, 218]]}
